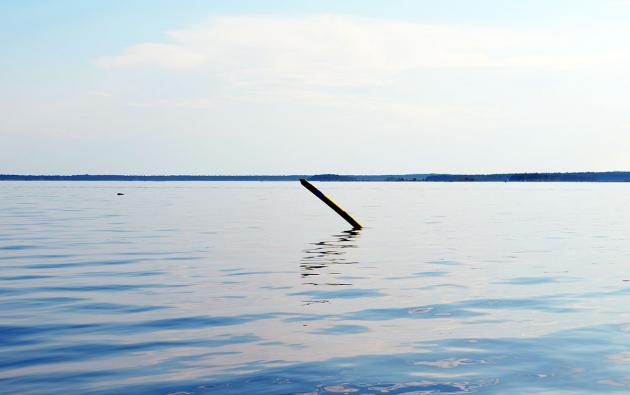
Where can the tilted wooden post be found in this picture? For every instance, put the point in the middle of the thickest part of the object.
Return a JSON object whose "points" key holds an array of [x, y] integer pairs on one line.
{"points": [[331, 204]]}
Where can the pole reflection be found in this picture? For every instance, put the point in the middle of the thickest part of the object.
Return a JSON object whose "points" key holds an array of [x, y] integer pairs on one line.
{"points": [[322, 263]]}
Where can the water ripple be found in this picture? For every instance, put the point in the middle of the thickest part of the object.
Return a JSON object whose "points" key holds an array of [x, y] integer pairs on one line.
{"points": [[213, 288]]}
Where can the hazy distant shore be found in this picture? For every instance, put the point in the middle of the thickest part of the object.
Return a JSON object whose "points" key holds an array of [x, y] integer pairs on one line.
{"points": [[612, 176]]}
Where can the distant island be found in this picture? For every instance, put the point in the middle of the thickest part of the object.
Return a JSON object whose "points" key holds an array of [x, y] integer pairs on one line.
{"points": [[610, 176]]}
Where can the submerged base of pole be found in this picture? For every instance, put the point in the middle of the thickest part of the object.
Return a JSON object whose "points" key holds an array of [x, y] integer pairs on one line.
{"points": [[331, 204]]}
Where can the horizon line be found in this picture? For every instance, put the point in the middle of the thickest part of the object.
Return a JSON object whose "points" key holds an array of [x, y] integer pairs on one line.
{"points": [[312, 174]]}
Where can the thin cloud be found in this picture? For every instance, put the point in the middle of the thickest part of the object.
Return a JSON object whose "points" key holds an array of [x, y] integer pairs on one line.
{"points": [[336, 51]]}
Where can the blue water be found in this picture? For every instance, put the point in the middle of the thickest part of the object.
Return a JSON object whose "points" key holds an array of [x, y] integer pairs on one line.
{"points": [[258, 288]]}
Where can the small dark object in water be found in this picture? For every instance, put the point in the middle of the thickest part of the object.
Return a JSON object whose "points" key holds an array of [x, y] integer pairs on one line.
{"points": [[120, 194]]}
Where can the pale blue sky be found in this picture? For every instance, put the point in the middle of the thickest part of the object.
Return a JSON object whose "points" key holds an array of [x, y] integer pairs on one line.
{"points": [[286, 87]]}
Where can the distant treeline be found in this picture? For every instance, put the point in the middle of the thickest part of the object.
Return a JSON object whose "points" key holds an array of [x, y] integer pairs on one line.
{"points": [[113, 177], [318, 177], [611, 176]]}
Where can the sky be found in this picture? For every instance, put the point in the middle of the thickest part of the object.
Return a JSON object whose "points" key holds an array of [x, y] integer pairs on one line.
{"points": [[303, 87]]}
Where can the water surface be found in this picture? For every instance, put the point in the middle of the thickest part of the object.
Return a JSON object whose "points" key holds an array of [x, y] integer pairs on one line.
{"points": [[210, 287]]}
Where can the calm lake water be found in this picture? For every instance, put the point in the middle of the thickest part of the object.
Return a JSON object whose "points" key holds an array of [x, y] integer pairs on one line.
{"points": [[258, 288]]}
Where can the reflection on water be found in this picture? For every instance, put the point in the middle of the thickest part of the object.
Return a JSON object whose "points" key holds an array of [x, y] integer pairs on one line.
{"points": [[321, 264], [207, 288], [563, 362]]}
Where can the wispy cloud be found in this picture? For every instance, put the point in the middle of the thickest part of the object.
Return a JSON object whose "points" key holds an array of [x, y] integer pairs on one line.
{"points": [[336, 51], [326, 60]]}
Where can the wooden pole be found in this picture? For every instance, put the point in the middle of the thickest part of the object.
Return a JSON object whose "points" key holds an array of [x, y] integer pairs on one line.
{"points": [[331, 204]]}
